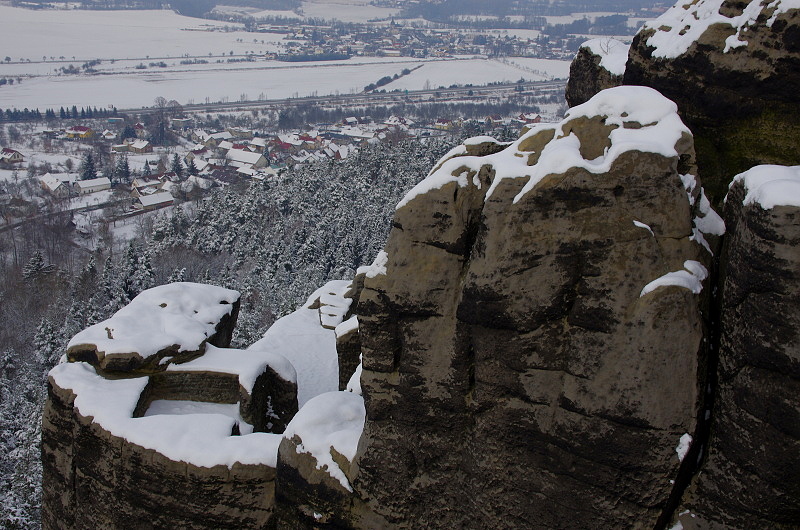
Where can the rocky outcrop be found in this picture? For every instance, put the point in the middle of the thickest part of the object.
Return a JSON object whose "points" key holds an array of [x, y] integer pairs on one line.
{"points": [[752, 474], [733, 68], [598, 65], [164, 430], [532, 337]]}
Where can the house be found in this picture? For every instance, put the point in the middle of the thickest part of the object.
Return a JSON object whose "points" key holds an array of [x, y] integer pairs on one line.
{"points": [[241, 157], [56, 186], [84, 187], [116, 121], [154, 201], [109, 135], [240, 133], [140, 147], [530, 117], [10, 158], [258, 145], [141, 132], [147, 181], [79, 132]]}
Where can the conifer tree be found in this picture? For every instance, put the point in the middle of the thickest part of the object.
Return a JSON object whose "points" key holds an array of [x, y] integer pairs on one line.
{"points": [[177, 166], [35, 267], [88, 170]]}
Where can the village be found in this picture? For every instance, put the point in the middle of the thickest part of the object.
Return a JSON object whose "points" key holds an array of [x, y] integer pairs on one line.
{"points": [[111, 169]]}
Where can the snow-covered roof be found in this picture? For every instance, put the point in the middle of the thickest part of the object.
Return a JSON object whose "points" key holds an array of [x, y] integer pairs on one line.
{"points": [[225, 144], [246, 157], [139, 144], [156, 198], [93, 183], [51, 182]]}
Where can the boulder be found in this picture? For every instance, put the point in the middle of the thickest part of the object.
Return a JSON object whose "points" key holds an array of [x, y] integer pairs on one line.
{"points": [[169, 323], [599, 64]]}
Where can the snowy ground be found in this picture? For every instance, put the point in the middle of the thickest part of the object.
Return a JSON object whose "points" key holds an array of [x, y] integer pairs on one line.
{"points": [[358, 11], [273, 81]]}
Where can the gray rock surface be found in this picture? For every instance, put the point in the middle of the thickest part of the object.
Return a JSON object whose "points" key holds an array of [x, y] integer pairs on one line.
{"points": [[513, 375], [752, 476]]}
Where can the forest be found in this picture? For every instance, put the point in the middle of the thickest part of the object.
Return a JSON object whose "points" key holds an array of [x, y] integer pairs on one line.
{"points": [[274, 241]]}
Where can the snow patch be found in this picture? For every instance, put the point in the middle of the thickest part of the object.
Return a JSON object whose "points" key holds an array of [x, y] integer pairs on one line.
{"points": [[183, 314], [691, 278], [201, 439], [685, 22], [309, 347], [334, 420], [770, 186], [378, 266], [348, 326], [660, 128], [613, 53], [247, 364], [354, 384], [683, 446], [642, 225]]}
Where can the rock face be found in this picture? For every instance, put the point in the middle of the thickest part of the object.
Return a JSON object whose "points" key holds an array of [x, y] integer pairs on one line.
{"points": [[752, 476], [599, 64], [513, 362], [733, 68]]}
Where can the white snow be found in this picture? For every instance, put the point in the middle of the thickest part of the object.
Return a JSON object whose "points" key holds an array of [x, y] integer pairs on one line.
{"points": [[183, 314], [691, 278], [300, 338], [683, 446], [378, 266], [179, 407], [613, 53], [770, 186], [660, 130], [334, 305], [354, 383], [642, 225], [247, 364], [201, 439], [331, 420], [348, 326], [684, 23]]}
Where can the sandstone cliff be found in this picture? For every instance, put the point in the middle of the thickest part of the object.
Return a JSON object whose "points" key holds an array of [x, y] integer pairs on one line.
{"points": [[532, 336], [752, 476], [733, 68]]}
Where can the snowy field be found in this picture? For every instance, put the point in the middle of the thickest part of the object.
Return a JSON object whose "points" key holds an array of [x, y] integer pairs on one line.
{"points": [[358, 11], [275, 81], [125, 39], [84, 35]]}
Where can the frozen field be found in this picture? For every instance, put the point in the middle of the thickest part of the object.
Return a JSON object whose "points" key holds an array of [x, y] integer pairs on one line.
{"points": [[270, 82], [358, 11], [83, 35], [124, 40]]}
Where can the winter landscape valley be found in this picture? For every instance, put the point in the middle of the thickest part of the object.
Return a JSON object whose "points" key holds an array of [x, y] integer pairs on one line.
{"points": [[400, 263]]}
